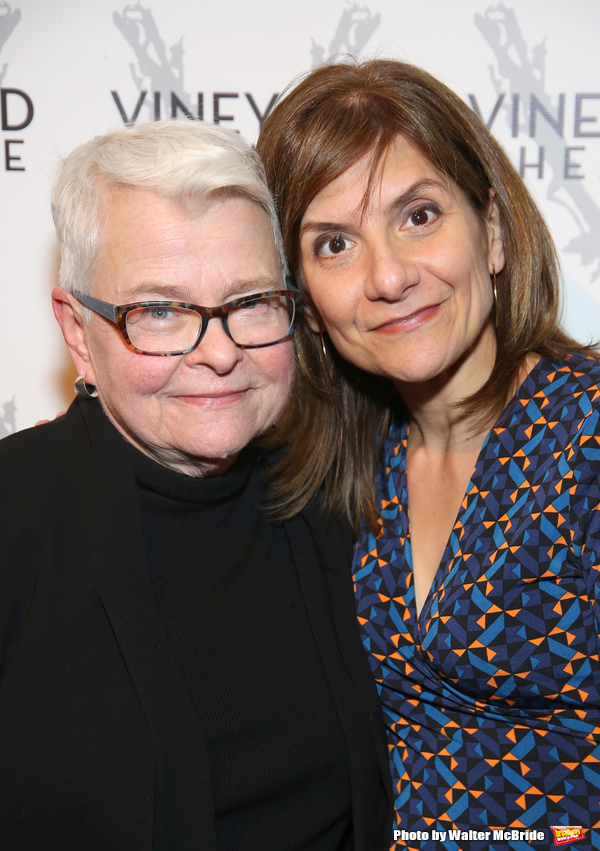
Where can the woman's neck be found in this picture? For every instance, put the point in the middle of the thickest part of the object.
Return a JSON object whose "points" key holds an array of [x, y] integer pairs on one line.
{"points": [[437, 420]]}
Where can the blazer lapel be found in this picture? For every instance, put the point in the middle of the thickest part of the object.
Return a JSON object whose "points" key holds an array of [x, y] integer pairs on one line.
{"points": [[184, 809], [364, 770]]}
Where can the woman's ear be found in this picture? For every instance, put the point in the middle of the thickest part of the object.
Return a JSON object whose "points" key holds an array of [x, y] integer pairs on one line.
{"points": [[494, 235], [313, 319], [69, 316]]}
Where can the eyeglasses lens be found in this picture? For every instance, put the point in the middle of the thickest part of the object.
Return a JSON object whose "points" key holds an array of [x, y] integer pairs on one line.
{"points": [[261, 321], [163, 330], [167, 329]]}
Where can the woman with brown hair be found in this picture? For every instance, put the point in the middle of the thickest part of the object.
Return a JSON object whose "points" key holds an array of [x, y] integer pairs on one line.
{"points": [[433, 373]]}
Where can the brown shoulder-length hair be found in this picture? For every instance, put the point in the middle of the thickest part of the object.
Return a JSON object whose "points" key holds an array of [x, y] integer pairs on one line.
{"points": [[336, 115]]}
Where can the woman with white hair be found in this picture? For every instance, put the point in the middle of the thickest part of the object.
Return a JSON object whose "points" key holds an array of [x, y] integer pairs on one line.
{"points": [[177, 671]]}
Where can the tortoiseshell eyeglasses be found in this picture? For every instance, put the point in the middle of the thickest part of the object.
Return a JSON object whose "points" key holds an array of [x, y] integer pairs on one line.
{"points": [[176, 328]]}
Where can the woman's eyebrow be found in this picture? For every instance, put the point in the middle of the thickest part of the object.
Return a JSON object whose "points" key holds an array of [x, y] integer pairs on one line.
{"points": [[248, 286], [154, 291], [398, 203], [321, 227], [414, 191]]}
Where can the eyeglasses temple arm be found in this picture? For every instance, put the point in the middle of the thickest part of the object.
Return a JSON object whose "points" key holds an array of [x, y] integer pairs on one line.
{"points": [[101, 307]]}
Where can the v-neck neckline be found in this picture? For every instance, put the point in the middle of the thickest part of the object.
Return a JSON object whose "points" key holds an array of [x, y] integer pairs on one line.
{"points": [[419, 618]]}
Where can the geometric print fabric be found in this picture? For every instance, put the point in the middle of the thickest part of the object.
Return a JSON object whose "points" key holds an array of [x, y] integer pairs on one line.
{"points": [[491, 697]]}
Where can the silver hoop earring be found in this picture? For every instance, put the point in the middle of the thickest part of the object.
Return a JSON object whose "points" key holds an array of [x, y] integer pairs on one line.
{"points": [[83, 389], [495, 292], [324, 348]]}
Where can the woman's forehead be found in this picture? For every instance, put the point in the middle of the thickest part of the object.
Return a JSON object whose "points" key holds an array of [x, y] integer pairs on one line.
{"points": [[370, 183]]}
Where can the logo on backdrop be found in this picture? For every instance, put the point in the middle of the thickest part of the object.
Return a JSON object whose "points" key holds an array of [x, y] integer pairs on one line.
{"points": [[522, 95], [553, 134], [7, 418], [8, 21], [16, 107], [356, 26], [158, 74]]}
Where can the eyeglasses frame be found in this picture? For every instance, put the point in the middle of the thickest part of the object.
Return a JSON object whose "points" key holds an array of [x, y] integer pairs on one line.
{"points": [[117, 314]]}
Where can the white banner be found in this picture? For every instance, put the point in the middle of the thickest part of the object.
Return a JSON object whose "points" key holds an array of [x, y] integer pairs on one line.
{"points": [[71, 69]]}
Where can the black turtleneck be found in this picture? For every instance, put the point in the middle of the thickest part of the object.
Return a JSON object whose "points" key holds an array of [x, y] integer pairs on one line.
{"points": [[227, 593]]}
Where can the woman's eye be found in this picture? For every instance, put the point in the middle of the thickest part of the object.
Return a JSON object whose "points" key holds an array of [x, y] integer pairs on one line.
{"points": [[252, 305], [159, 313], [421, 216], [333, 245]]}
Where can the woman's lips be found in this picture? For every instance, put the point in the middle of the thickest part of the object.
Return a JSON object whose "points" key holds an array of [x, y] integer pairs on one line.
{"points": [[407, 323], [212, 400]]}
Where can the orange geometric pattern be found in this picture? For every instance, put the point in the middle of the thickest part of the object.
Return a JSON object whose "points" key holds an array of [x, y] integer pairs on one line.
{"points": [[492, 695]]}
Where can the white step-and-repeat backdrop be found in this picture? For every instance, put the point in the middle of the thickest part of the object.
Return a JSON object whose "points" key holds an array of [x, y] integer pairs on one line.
{"points": [[70, 69]]}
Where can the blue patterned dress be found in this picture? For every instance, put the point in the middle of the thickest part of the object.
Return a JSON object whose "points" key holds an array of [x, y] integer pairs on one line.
{"points": [[491, 696]]}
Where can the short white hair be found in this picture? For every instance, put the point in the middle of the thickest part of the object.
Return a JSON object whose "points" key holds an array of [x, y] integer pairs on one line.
{"points": [[187, 161]]}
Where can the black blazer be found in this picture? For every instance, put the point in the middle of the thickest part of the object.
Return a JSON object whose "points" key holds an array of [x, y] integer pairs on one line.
{"points": [[100, 746]]}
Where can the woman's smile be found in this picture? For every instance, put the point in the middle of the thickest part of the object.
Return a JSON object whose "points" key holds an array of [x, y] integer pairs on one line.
{"points": [[399, 270], [188, 411], [404, 324], [215, 399]]}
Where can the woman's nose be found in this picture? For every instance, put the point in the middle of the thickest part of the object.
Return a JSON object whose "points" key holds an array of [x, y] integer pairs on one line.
{"points": [[216, 350], [390, 274]]}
